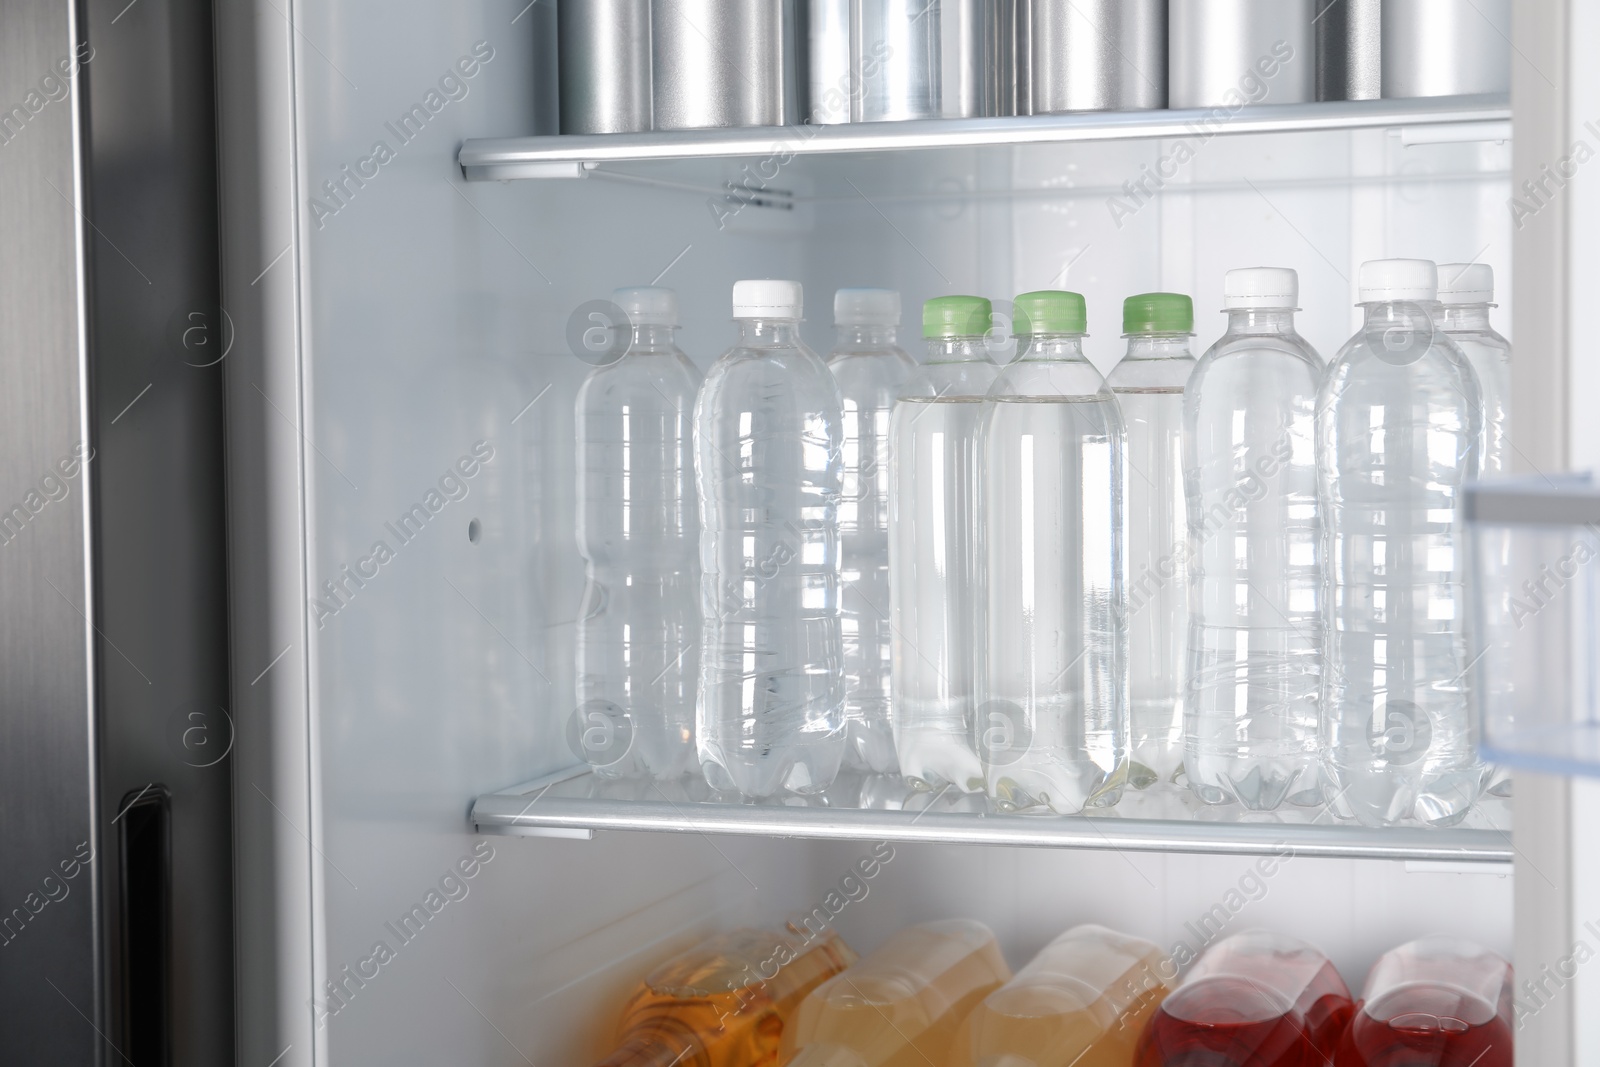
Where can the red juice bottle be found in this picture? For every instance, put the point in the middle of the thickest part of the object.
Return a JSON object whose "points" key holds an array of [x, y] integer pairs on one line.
{"points": [[1435, 1002], [1256, 999]]}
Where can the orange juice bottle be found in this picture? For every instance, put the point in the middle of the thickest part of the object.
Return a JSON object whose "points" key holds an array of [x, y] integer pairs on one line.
{"points": [[1081, 1002], [727, 1001], [901, 1005]]}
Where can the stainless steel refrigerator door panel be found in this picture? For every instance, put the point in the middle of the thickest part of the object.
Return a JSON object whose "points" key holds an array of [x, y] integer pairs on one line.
{"points": [[1223, 51], [51, 969], [1098, 55], [605, 66], [111, 543], [159, 339]]}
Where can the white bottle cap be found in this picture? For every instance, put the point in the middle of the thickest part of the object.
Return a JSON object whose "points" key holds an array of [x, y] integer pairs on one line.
{"points": [[866, 307], [1398, 279], [1261, 287], [648, 305], [766, 299], [1466, 283]]}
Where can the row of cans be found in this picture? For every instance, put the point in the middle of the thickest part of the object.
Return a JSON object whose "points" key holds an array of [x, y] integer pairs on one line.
{"points": [[633, 65]]}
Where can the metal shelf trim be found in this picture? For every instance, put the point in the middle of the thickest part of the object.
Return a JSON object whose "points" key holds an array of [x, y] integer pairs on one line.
{"points": [[507, 158], [531, 810]]}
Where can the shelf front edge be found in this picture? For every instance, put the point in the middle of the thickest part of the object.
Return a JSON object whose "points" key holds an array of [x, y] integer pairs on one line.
{"points": [[499, 159], [507, 813]]}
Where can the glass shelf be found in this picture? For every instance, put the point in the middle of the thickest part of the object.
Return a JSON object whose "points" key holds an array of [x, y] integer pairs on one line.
{"points": [[574, 803], [1428, 120]]}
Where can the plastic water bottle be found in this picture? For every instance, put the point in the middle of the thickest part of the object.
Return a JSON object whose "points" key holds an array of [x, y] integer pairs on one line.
{"points": [[1053, 722], [871, 368], [1149, 385], [638, 530], [1466, 293], [768, 463], [935, 586], [1253, 734], [1399, 419]]}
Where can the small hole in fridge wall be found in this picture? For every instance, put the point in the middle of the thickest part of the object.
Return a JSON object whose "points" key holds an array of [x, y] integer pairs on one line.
{"points": [[474, 531]]}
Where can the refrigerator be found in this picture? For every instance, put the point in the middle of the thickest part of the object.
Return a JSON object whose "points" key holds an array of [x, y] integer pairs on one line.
{"points": [[394, 256]]}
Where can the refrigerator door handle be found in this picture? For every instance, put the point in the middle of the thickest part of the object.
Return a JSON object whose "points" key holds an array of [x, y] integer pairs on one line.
{"points": [[144, 840]]}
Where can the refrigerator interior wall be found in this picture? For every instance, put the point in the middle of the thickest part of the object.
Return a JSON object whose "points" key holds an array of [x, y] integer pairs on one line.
{"points": [[438, 340]]}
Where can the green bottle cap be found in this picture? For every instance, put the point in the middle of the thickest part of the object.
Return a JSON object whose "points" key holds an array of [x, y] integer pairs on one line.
{"points": [[1049, 311], [956, 316], [1158, 313]]}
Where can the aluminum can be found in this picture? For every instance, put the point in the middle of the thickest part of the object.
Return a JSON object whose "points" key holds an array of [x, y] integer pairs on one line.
{"points": [[833, 83], [1097, 55], [1349, 52], [1446, 47], [604, 65], [1222, 52], [1009, 88], [920, 59], [886, 60], [725, 63]]}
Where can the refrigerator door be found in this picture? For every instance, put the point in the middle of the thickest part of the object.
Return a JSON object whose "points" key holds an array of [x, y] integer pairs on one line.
{"points": [[47, 741], [116, 903]]}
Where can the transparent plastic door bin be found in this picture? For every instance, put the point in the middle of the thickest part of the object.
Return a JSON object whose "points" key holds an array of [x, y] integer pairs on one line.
{"points": [[1534, 584]]}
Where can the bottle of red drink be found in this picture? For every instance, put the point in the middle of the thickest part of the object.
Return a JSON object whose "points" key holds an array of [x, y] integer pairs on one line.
{"points": [[1256, 999], [1436, 1002]]}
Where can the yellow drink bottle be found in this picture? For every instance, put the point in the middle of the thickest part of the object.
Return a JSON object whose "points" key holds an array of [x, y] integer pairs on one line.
{"points": [[901, 1005], [1081, 1002], [727, 1001]]}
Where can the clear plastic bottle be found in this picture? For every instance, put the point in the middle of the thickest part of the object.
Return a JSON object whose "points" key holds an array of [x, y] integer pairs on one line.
{"points": [[900, 1006], [1149, 385], [638, 530], [1252, 733], [1253, 1000], [1398, 425], [1053, 717], [1466, 293], [1082, 1001], [1436, 1001], [727, 1001], [768, 462], [935, 584], [871, 368]]}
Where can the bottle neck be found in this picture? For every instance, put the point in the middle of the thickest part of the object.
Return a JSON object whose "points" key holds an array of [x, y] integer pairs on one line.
{"points": [[1462, 316], [1051, 347], [1261, 320], [769, 333], [866, 336], [1158, 346], [1401, 312], [958, 350], [652, 338]]}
